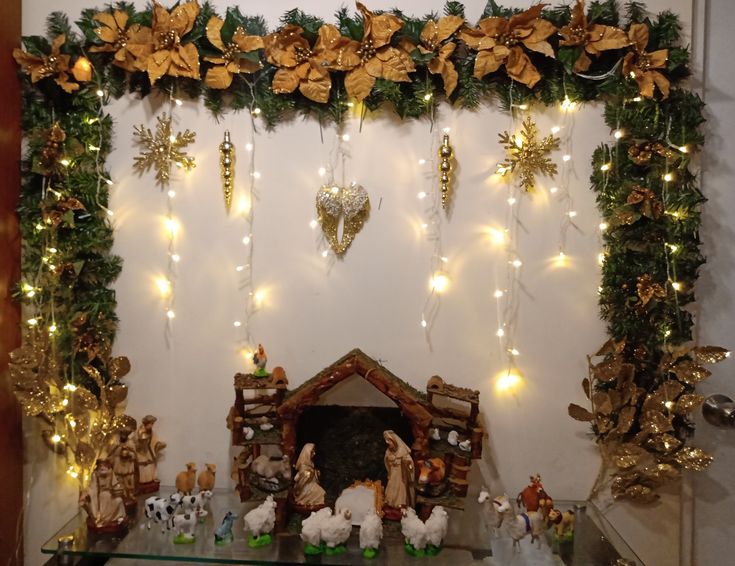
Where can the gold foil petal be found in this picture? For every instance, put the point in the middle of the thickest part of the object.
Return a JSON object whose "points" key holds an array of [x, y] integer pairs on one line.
{"points": [[579, 413], [118, 367], [687, 403], [689, 372], [664, 443], [655, 422], [711, 354], [693, 459]]}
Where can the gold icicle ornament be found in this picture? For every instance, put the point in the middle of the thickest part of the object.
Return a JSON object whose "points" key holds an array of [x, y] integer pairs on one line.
{"points": [[227, 168], [446, 153]]}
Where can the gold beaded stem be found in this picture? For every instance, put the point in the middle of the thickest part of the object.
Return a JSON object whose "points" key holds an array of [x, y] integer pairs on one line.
{"points": [[445, 169], [227, 173]]}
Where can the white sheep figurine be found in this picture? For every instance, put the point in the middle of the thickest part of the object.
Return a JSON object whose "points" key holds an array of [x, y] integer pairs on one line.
{"points": [[336, 530], [260, 522], [311, 530], [371, 533], [414, 531], [436, 529]]}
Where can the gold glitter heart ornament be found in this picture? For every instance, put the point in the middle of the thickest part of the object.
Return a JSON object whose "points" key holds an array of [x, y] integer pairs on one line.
{"points": [[351, 205]]}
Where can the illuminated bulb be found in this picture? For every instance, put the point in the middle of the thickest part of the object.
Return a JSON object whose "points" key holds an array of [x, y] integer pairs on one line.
{"points": [[346, 137], [259, 296], [248, 147], [555, 130], [572, 213], [669, 405], [172, 138], [727, 354], [335, 190], [176, 258], [178, 102], [439, 282], [257, 111], [32, 321], [65, 162], [427, 96], [617, 134], [55, 438], [561, 255], [668, 177], [93, 147], [313, 224], [673, 248], [511, 201], [237, 324], [423, 323], [553, 190], [603, 226], [684, 149], [100, 92], [667, 333], [65, 402], [444, 259], [52, 328], [109, 212], [422, 161], [27, 287], [422, 195], [676, 285], [256, 174], [164, 286], [500, 333], [52, 250], [172, 226], [497, 294], [72, 423], [322, 171], [424, 225], [501, 170], [171, 193], [350, 104], [325, 253], [239, 268], [516, 263], [508, 382], [246, 240], [497, 236], [599, 289], [519, 141], [605, 167], [567, 104], [637, 99], [515, 352], [566, 157], [170, 314], [109, 182], [601, 258], [523, 106], [446, 130], [70, 387], [74, 474], [30, 294], [39, 226]]}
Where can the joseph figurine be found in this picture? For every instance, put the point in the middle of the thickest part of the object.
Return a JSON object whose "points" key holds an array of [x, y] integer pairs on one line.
{"points": [[148, 448]]}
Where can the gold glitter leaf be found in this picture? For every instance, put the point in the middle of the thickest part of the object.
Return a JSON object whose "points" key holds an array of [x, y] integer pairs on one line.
{"points": [[664, 443], [693, 459], [602, 403], [690, 372], [608, 370], [654, 422], [711, 354], [687, 403], [625, 419], [586, 387], [628, 455], [663, 395], [579, 413], [118, 367]]}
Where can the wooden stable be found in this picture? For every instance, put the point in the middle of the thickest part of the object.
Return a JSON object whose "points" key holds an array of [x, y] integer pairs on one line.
{"points": [[266, 399]]}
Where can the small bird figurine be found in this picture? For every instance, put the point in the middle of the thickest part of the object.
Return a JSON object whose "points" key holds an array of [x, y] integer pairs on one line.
{"points": [[260, 359]]}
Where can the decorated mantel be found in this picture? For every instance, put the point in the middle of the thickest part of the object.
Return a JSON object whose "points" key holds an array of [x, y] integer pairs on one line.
{"points": [[641, 387]]}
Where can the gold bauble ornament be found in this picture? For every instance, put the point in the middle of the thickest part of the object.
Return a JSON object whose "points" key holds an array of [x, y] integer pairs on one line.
{"points": [[445, 168], [227, 172]]}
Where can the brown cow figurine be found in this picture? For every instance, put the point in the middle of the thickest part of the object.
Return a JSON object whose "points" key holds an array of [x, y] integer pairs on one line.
{"points": [[432, 472], [534, 497], [186, 480]]}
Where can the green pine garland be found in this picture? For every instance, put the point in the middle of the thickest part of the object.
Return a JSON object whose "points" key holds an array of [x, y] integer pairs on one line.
{"points": [[662, 247]]}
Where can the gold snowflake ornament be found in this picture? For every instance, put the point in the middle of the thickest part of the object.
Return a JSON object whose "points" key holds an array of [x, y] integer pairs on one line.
{"points": [[527, 155], [162, 149]]}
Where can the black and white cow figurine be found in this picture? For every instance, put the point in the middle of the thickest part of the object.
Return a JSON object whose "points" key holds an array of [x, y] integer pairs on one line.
{"points": [[160, 509], [183, 525], [196, 503]]}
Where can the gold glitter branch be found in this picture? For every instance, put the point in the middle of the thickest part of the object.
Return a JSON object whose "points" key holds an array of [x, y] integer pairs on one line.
{"points": [[528, 155], [163, 148]]}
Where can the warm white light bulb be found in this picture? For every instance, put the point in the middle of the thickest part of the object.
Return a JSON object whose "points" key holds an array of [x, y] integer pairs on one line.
{"points": [[55, 438], [176, 258], [566, 157], [346, 137], [100, 92], [553, 190], [325, 253], [246, 240], [555, 130], [170, 314], [618, 134], [178, 102], [422, 161], [313, 224], [427, 96], [423, 323], [322, 171], [32, 321], [171, 193], [239, 268], [248, 147], [421, 195], [572, 213], [237, 324], [511, 201], [517, 263], [668, 177], [603, 226], [439, 282], [498, 293], [605, 167], [500, 333], [676, 285]]}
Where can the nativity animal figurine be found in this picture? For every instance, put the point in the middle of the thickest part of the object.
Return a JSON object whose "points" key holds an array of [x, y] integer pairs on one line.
{"points": [[499, 507], [432, 472], [260, 359], [196, 503], [413, 530], [436, 529], [160, 509], [223, 533], [272, 469], [183, 526], [453, 437], [336, 529], [371, 533], [260, 522], [311, 530], [534, 497], [531, 522], [205, 480], [185, 480], [563, 522]]}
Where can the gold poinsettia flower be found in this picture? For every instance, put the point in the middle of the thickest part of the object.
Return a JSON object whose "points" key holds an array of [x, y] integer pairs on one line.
{"points": [[433, 36], [170, 56], [593, 38], [304, 67], [131, 45], [231, 61], [641, 65], [44, 66], [373, 57], [649, 206], [500, 42]]}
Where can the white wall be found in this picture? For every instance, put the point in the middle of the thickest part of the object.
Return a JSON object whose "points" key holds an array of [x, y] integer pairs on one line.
{"points": [[372, 299]]}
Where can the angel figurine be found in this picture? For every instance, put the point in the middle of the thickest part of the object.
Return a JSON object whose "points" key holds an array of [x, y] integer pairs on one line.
{"points": [[307, 491]]}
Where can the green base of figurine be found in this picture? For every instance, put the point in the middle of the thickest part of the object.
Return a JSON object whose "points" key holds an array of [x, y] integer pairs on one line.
{"points": [[183, 539], [432, 550], [222, 541], [568, 537], [257, 542], [260, 373], [369, 552], [335, 550], [411, 551], [312, 550]]}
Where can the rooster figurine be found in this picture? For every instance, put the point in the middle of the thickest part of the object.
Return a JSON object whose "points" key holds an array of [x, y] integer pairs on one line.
{"points": [[260, 359]]}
